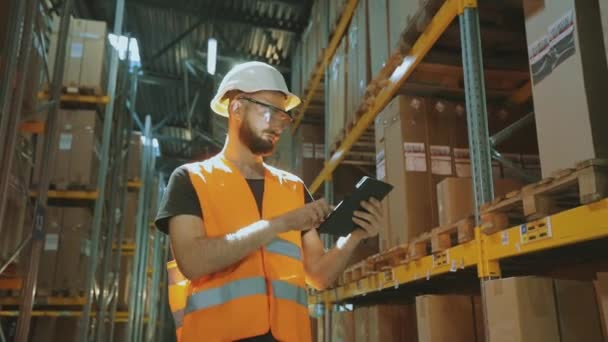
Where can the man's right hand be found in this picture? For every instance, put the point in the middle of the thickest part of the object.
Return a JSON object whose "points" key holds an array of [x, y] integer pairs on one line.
{"points": [[309, 216]]}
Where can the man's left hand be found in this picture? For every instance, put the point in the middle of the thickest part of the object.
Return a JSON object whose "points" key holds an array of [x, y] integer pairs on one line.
{"points": [[370, 220]]}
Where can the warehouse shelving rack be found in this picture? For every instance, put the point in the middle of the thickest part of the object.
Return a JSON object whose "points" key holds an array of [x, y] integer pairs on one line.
{"points": [[585, 223], [98, 307]]}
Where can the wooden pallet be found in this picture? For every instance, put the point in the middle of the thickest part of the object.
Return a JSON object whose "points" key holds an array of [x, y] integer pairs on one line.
{"points": [[421, 246], [565, 189], [453, 234], [357, 271]]}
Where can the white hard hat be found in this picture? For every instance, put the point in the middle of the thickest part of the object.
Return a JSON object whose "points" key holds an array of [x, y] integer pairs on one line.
{"points": [[251, 77]]}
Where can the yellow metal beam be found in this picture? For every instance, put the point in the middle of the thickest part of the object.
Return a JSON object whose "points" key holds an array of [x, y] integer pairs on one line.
{"points": [[10, 283], [522, 94], [134, 184], [70, 194], [584, 223], [56, 301], [328, 54], [452, 260], [119, 317], [431, 34], [95, 99]]}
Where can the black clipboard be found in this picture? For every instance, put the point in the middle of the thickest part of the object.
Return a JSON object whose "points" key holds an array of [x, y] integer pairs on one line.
{"points": [[340, 221]]}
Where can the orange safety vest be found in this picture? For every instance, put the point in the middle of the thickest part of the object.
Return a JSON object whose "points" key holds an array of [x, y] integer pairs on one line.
{"points": [[263, 292]]}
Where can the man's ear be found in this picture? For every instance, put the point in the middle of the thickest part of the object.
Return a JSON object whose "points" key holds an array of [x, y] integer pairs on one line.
{"points": [[235, 108]]}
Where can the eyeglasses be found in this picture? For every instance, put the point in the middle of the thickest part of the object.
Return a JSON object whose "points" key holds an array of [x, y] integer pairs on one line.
{"points": [[275, 114]]}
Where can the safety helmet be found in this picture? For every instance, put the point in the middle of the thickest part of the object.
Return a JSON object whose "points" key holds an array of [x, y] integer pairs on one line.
{"points": [[251, 77]]}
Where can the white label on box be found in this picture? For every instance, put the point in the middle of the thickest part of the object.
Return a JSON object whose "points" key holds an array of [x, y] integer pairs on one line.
{"points": [[85, 248], [308, 150], [51, 242], [319, 151], [65, 141], [77, 50], [462, 162], [415, 157], [381, 170], [441, 160]]}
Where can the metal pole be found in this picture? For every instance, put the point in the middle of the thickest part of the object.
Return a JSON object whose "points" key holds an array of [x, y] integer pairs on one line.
{"points": [[139, 241], [477, 117], [479, 140], [17, 103], [6, 81], [121, 231], [118, 182], [28, 291], [520, 172], [156, 271], [143, 275], [101, 178], [507, 132]]}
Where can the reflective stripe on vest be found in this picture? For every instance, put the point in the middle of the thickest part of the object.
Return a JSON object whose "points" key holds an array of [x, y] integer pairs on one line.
{"points": [[221, 295], [284, 247], [287, 291], [178, 316]]}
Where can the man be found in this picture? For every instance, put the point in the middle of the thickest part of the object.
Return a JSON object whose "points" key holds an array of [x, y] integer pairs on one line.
{"points": [[243, 233]]}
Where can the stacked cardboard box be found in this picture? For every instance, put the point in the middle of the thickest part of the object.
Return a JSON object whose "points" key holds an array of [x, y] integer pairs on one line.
{"points": [[378, 30], [337, 93], [86, 52], [569, 76], [604, 13], [402, 140], [358, 73], [343, 326], [601, 291], [541, 309], [66, 250], [75, 161], [54, 329], [135, 153], [385, 323], [401, 14], [315, 39], [449, 318], [456, 198], [313, 151]]}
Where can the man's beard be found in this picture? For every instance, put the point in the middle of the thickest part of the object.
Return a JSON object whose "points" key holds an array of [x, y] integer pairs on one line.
{"points": [[257, 145]]}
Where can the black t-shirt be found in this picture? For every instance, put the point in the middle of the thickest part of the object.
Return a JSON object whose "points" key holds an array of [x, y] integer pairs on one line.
{"points": [[180, 199]]}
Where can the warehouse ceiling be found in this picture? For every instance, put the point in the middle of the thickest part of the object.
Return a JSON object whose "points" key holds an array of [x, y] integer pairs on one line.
{"points": [[175, 88]]}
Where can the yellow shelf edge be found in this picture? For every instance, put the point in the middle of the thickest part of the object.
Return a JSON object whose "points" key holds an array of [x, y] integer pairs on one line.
{"points": [[584, 223], [95, 99], [70, 194]]}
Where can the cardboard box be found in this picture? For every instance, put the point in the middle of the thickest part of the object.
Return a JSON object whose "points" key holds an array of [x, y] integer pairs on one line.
{"points": [[74, 251], [401, 13], [363, 53], [521, 310], [406, 168], [392, 322], [84, 158], [384, 233], [343, 326], [577, 310], [361, 324], [49, 259], [445, 318], [378, 30], [456, 198], [130, 216], [569, 96], [480, 322], [604, 14], [601, 289], [85, 53]]}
